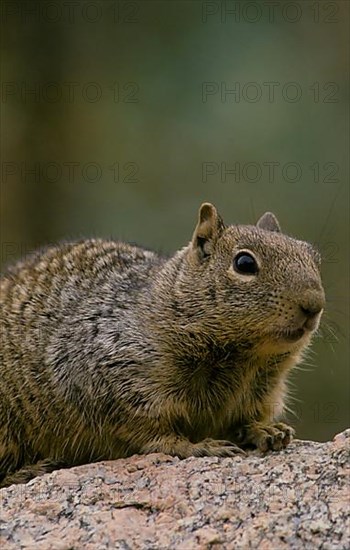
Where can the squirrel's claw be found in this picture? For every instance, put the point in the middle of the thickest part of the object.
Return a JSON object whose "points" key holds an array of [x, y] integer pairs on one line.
{"points": [[269, 436], [217, 447]]}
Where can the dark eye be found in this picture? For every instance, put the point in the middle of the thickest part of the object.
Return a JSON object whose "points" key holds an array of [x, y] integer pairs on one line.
{"points": [[245, 263]]}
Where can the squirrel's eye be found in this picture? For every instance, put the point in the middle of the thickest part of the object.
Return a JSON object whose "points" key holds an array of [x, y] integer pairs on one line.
{"points": [[245, 263]]}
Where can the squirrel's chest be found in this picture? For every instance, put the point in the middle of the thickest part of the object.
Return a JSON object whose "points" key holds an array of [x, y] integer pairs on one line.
{"points": [[229, 398]]}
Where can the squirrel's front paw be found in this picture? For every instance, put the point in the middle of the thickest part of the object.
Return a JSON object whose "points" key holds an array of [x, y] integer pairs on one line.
{"points": [[270, 436], [216, 447]]}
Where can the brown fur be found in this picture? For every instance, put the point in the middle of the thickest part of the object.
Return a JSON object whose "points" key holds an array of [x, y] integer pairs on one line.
{"points": [[109, 350]]}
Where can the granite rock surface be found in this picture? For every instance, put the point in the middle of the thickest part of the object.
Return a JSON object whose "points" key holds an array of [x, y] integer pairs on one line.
{"points": [[296, 498]]}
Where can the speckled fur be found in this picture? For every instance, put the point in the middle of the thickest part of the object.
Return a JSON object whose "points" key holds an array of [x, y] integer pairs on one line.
{"points": [[109, 350]]}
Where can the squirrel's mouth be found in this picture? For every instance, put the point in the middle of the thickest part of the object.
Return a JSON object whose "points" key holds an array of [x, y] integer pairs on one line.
{"points": [[294, 334], [291, 335], [285, 339]]}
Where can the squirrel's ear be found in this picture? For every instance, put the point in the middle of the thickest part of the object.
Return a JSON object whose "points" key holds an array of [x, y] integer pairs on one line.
{"points": [[209, 228], [269, 222]]}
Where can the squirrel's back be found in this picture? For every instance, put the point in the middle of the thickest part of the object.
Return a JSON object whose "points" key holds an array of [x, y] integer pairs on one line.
{"points": [[93, 277], [78, 267]]}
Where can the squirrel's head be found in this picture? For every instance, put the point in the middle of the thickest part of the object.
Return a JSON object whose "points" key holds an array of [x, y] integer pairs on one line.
{"points": [[251, 284]]}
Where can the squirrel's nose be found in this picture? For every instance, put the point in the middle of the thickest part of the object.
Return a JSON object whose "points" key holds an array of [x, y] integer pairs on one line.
{"points": [[311, 311], [312, 303]]}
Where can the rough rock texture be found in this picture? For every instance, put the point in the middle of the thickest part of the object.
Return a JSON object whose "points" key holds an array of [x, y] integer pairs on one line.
{"points": [[297, 498]]}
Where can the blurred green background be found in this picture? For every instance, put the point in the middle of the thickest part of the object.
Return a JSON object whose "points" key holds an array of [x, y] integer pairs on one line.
{"points": [[120, 118]]}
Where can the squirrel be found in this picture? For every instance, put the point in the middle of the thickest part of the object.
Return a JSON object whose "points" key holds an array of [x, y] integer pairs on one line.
{"points": [[109, 350]]}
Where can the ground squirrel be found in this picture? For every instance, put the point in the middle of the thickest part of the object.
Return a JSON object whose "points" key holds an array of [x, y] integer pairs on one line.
{"points": [[108, 349]]}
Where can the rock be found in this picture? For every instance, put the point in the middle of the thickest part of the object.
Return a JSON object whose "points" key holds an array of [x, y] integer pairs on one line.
{"points": [[296, 498]]}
